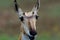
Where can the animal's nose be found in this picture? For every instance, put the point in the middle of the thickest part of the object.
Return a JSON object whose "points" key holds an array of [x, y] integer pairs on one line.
{"points": [[33, 33]]}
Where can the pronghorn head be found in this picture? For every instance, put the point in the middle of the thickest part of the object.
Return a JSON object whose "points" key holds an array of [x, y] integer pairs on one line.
{"points": [[28, 19]]}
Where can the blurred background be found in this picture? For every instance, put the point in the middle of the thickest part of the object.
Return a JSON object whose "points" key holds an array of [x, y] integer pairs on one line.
{"points": [[48, 24]]}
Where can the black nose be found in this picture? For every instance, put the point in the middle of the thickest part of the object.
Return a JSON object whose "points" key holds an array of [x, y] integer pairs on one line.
{"points": [[33, 33]]}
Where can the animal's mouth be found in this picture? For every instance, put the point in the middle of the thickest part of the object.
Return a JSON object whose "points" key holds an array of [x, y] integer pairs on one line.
{"points": [[33, 34], [31, 37]]}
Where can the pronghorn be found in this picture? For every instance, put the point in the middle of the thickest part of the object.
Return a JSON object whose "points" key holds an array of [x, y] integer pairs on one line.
{"points": [[28, 21]]}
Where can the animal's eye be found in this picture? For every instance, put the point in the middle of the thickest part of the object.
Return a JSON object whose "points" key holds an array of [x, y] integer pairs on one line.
{"points": [[36, 16], [21, 18], [23, 13]]}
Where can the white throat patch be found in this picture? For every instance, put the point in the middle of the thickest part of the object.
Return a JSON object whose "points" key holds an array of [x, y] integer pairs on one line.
{"points": [[24, 37]]}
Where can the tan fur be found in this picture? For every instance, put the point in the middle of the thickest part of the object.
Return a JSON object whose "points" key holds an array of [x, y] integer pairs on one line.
{"points": [[21, 32], [20, 36]]}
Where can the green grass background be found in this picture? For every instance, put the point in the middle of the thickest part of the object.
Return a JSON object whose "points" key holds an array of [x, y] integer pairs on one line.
{"points": [[44, 36]]}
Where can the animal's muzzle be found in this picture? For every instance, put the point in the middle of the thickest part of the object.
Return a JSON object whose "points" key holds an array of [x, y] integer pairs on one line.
{"points": [[33, 32]]}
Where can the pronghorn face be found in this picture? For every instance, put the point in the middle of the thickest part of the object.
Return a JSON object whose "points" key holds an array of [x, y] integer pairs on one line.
{"points": [[29, 19]]}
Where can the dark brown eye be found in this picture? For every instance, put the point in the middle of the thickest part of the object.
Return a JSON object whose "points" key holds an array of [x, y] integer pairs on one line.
{"points": [[23, 13], [36, 17], [21, 18]]}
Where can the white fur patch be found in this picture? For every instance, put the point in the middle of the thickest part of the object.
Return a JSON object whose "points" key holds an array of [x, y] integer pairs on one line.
{"points": [[26, 29], [24, 37]]}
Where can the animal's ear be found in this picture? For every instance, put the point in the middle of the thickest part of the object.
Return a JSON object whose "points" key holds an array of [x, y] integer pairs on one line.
{"points": [[20, 13], [36, 7], [18, 10]]}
